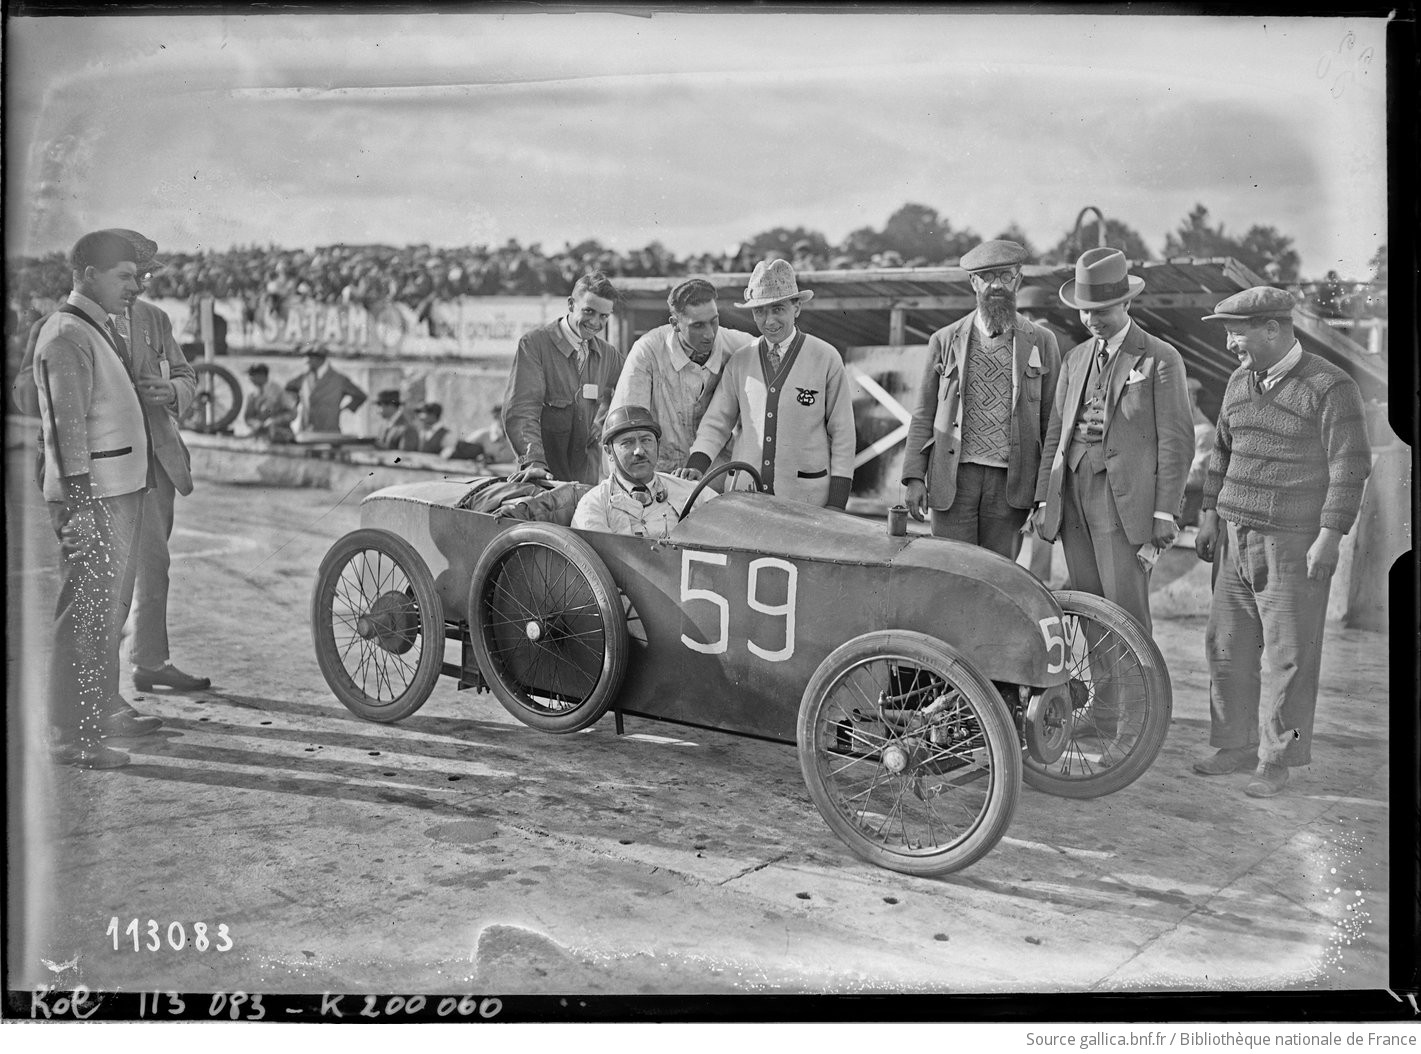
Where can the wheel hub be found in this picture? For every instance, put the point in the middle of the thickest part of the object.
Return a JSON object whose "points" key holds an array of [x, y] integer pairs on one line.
{"points": [[392, 623], [1046, 725]]}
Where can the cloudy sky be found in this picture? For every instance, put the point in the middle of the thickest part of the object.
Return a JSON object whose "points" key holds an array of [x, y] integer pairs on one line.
{"points": [[697, 130]]}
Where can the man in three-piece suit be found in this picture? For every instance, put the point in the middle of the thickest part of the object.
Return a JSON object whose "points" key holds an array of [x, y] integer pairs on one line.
{"points": [[974, 445], [166, 385], [1119, 444]]}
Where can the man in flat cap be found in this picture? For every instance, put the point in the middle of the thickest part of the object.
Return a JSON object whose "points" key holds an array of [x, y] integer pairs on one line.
{"points": [[1285, 481], [974, 444], [1120, 441], [790, 396], [166, 385]]}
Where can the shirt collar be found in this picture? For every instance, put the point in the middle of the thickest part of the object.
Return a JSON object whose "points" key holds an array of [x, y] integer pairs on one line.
{"points": [[1281, 368], [572, 336], [680, 360], [90, 308], [793, 332], [1113, 342]]}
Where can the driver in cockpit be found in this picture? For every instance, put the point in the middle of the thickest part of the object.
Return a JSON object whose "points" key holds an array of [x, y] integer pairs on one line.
{"points": [[634, 499]]}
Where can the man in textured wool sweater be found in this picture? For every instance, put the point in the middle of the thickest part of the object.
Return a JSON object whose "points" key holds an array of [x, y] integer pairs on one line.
{"points": [[1285, 480]]}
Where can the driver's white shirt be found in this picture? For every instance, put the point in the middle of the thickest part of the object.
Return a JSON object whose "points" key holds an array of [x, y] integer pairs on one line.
{"points": [[610, 506]]}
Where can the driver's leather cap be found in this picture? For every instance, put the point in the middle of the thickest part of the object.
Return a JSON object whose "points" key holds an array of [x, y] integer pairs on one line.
{"points": [[629, 419]]}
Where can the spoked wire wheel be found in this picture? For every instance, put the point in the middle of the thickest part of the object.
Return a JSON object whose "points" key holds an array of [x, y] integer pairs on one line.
{"points": [[216, 402], [378, 625], [1120, 701], [909, 753], [548, 627]]}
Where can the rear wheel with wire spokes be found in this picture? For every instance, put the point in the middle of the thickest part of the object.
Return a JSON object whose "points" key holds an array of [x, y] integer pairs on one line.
{"points": [[378, 625], [1121, 701], [547, 627], [909, 753]]}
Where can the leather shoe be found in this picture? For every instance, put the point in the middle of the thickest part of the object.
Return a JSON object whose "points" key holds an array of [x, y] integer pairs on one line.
{"points": [[1267, 781], [99, 757], [168, 676], [1229, 759], [128, 723]]}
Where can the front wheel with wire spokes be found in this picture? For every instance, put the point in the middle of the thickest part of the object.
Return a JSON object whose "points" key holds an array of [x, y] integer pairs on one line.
{"points": [[909, 753], [1121, 701], [378, 625], [547, 626]]}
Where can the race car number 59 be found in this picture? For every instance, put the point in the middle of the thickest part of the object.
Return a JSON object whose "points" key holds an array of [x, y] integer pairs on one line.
{"points": [[1053, 633], [756, 575]]}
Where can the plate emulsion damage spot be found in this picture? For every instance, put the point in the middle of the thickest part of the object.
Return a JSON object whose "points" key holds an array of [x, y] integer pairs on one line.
{"points": [[464, 832]]}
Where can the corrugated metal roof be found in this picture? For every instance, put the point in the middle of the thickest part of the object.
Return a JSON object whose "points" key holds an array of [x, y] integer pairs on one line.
{"points": [[854, 309]]}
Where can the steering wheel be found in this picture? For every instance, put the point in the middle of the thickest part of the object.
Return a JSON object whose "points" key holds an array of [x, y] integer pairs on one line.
{"points": [[715, 474]]}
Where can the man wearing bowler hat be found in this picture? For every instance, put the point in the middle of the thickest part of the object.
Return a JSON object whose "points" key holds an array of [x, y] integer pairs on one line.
{"points": [[1120, 441], [1285, 482], [974, 444], [790, 396], [323, 393], [396, 431]]}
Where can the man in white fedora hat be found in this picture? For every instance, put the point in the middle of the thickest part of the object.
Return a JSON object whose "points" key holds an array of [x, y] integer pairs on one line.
{"points": [[1120, 441], [789, 394], [974, 444]]}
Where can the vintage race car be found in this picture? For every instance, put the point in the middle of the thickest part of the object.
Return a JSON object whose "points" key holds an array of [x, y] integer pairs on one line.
{"points": [[920, 679]]}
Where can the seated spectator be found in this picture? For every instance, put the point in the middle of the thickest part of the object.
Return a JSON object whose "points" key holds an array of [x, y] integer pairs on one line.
{"points": [[487, 445], [396, 431], [635, 499], [432, 437], [269, 410]]}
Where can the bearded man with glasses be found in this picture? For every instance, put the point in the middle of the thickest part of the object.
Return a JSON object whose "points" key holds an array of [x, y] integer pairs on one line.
{"points": [[974, 445]]}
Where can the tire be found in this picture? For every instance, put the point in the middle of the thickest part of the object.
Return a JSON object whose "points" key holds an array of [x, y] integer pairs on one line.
{"points": [[378, 625], [1112, 742], [957, 791], [217, 402], [548, 627]]}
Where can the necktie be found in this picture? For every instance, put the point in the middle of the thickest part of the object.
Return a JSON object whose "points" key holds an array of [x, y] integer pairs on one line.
{"points": [[118, 342], [1101, 355], [581, 358], [1259, 376], [774, 357]]}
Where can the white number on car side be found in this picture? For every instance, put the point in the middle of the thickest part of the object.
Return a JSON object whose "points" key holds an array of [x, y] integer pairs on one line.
{"points": [[1054, 635], [722, 641], [785, 610]]}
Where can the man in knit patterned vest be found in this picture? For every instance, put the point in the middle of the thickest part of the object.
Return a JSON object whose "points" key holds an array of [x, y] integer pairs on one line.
{"points": [[974, 444], [1285, 480]]}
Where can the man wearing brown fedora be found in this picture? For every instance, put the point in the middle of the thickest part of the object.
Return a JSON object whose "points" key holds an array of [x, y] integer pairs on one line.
{"points": [[1285, 484], [1120, 441], [974, 444], [790, 396]]}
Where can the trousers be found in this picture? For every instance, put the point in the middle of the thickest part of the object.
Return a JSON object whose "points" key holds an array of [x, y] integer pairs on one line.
{"points": [[96, 588], [979, 513], [1265, 607], [147, 626], [1099, 558]]}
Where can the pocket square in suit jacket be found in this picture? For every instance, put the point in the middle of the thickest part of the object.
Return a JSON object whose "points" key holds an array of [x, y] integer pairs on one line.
{"points": [[1135, 377]]}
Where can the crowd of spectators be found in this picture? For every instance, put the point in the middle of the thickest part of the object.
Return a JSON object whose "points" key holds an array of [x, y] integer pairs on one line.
{"points": [[418, 275]]}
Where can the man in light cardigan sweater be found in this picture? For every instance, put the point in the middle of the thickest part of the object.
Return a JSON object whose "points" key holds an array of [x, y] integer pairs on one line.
{"points": [[1290, 461], [791, 398]]}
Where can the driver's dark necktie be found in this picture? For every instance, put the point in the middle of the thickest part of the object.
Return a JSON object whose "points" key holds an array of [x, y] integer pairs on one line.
{"points": [[1259, 376]]}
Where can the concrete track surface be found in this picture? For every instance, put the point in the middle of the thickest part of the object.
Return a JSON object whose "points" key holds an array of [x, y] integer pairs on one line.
{"points": [[460, 851]]}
